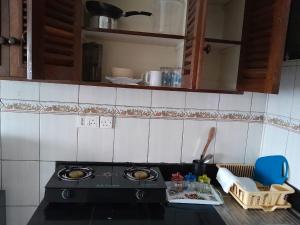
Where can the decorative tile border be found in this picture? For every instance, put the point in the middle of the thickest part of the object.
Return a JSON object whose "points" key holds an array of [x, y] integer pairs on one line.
{"points": [[148, 113], [63, 108], [90, 109], [193, 114], [20, 106]]}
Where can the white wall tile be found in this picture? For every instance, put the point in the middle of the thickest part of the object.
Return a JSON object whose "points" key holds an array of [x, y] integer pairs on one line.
{"points": [[293, 156], [165, 141], [281, 104], [20, 90], [58, 137], [253, 142], [59, 92], [21, 182], [97, 95], [46, 171], [95, 144], [194, 139], [259, 102], [131, 140], [131, 97], [20, 136], [274, 141], [169, 99], [202, 100], [19, 215], [231, 142], [295, 113], [235, 102]]}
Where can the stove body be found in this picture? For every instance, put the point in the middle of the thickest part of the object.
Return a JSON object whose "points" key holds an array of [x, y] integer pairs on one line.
{"points": [[105, 184]]}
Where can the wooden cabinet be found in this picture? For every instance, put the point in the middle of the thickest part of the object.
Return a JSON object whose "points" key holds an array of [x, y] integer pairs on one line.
{"points": [[262, 52], [227, 45], [54, 39], [13, 38], [246, 40]]}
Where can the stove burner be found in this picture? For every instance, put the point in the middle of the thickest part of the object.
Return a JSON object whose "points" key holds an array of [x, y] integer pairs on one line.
{"points": [[141, 174], [75, 173]]}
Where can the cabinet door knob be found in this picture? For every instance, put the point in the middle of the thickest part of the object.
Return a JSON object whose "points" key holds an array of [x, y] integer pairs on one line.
{"points": [[3, 40], [207, 49], [13, 41]]}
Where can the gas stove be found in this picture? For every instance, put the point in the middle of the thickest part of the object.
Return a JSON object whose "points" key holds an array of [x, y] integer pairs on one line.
{"points": [[105, 184]]}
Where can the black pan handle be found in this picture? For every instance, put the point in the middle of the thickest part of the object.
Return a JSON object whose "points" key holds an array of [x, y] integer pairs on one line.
{"points": [[135, 13]]}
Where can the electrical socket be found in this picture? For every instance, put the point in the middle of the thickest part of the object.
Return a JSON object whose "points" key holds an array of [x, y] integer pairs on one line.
{"points": [[88, 121], [106, 122]]}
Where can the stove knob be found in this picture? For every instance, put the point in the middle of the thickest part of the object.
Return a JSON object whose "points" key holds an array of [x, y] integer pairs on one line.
{"points": [[66, 194], [139, 194]]}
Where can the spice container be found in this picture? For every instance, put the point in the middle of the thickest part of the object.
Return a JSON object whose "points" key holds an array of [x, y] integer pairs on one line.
{"points": [[190, 180], [178, 182]]}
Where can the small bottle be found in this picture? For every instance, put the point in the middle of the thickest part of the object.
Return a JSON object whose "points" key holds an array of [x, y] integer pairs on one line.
{"points": [[190, 179], [177, 180]]}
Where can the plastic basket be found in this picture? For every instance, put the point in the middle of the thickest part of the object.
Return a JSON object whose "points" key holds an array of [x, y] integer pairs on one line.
{"points": [[268, 198]]}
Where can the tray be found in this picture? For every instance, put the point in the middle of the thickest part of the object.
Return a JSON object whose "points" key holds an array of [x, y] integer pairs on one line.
{"points": [[267, 199]]}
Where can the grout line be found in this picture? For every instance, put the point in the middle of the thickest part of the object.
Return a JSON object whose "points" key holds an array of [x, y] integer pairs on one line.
{"points": [[248, 128], [148, 149], [115, 124], [182, 133], [149, 129]]}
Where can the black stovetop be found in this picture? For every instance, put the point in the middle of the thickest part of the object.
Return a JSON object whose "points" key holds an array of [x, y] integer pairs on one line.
{"points": [[105, 177], [125, 214]]}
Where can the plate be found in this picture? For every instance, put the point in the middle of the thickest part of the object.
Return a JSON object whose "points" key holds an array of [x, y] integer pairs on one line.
{"points": [[124, 80]]}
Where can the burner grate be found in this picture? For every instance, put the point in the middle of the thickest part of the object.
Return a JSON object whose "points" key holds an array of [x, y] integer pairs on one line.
{"points": [[75, 173], [141, 174]]}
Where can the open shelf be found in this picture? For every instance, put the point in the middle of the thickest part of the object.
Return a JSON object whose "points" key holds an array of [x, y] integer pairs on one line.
{"points": [[106, 84], [133, 36], [222, 41]]}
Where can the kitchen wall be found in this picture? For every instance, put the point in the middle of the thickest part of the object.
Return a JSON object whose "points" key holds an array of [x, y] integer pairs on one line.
{"points": [[282, 121], [38, 127]]}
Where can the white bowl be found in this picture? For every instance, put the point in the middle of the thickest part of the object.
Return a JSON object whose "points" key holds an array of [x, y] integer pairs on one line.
{"points": [[122, 72]]}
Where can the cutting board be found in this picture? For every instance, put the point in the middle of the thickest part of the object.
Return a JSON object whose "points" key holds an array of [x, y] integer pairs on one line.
{"points": [[271, 170]]}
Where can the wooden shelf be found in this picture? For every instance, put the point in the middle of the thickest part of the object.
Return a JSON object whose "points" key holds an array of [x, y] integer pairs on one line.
{"points": [[105, 84], [133, 36], [222, 43]]}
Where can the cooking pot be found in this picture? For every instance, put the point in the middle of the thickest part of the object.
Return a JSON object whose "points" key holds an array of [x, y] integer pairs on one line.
{"points": [[104, 15]]}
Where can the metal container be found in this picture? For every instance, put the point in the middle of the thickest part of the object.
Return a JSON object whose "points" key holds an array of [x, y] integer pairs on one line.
{"points": [[103, 22]]}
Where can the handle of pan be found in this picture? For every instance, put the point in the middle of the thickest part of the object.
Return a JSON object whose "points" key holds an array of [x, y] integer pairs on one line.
{"points": [[135, 13]]}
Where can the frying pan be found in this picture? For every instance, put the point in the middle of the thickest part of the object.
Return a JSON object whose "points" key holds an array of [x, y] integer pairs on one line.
{"points": [[97, 8]]}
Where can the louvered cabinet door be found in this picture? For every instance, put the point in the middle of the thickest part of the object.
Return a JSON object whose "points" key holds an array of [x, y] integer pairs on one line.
{"points": [[4, 33], [194, 43], [263, 43], [54, 42], [17, 37]]}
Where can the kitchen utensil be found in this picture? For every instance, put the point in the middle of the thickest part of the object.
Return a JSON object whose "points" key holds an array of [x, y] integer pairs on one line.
{"points": [[211, 135], [122, 72], [199, 167], [207, 158], [153, 78], [271, 170], [105, 15], [124, 80]]}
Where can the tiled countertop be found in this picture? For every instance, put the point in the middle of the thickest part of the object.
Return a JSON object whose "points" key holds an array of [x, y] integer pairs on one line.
{"points": [[233, 214]]}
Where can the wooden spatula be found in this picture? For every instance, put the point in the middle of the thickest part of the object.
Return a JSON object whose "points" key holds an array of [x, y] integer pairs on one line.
{"points": [[211, 135]]}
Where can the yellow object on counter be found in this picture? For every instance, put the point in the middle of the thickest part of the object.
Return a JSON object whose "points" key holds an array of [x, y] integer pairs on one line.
{"points": [[204, 179]]}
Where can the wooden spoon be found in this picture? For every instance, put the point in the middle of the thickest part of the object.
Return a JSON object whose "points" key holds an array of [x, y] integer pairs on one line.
{"points": [[211, 135]]}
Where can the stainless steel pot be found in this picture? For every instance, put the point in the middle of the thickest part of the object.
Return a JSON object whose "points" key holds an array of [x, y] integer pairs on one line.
{"points": [[103, 22]]}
